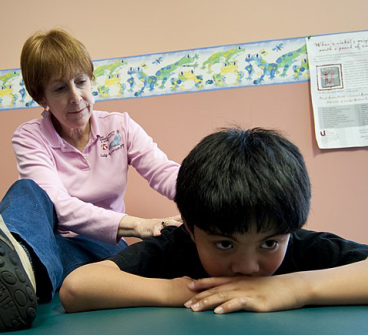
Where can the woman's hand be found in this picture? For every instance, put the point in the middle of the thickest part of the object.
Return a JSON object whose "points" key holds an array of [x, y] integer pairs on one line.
{"points": [[257, 294], [131, 226]]}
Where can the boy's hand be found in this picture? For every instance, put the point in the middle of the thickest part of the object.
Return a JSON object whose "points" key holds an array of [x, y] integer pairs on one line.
{"points": [[178, 292], [257, 294]]}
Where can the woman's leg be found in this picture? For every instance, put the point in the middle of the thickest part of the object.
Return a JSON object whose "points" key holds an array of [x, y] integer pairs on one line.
{"points": [[80, 250], [30, 217], [18, 301]]}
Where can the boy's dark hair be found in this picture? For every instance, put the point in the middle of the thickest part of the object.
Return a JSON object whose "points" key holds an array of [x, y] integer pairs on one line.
{"points": [[236, 178]]}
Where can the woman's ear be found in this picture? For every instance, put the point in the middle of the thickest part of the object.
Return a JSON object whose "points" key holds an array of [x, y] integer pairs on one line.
{"points": [[43, 103], [191, 232]]}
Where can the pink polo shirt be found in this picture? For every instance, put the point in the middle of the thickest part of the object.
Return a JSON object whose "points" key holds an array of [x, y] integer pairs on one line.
{"points": [[87, 188]]}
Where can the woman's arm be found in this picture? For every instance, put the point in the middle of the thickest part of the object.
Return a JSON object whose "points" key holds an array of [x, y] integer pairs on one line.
{"points": [[103, 285], [88, 200], [150, 162], [36, 162]]}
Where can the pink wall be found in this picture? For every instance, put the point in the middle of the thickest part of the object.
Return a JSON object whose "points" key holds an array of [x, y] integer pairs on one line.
{"points": [[177, 122]]}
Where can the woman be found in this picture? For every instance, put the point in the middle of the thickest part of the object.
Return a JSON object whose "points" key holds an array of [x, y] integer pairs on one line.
{"points": [[80, 158]]}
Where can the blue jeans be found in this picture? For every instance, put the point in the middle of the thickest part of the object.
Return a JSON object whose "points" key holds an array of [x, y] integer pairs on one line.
{"points": [[30, 215]]}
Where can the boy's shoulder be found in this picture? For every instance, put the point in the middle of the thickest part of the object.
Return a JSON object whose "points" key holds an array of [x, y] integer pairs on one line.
{"points": [[170, 255], [312, 250], [312, 238]]}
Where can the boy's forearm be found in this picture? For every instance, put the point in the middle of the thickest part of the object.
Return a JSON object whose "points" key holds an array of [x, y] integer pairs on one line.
{"points": [[97, 286], [345, 285]]}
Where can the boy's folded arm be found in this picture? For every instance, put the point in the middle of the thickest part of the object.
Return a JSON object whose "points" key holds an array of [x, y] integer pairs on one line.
{"points": [[344, 285], [103, 285]]}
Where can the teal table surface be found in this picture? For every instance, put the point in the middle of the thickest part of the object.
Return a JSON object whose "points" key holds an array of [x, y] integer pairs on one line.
{"points": [[52, 320]]}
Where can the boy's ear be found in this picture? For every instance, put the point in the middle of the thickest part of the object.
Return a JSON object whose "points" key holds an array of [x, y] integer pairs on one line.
{"points": [[191, 233]]}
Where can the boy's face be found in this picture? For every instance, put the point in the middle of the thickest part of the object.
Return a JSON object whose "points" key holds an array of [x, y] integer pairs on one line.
{"points": [[251, 253]]}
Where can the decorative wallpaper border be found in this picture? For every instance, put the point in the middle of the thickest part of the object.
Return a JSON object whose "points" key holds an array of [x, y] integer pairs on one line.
{"points": [[196, 70]]}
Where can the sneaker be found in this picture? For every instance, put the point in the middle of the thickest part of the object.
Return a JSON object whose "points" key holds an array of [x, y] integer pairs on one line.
{"points": [[18, 301]]}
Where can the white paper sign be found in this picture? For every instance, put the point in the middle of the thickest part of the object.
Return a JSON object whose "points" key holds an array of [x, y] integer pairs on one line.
{"points": [[338, 66]]}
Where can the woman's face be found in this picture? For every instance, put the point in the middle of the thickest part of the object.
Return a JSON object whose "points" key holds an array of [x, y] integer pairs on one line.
{"points": [[70, 101]]}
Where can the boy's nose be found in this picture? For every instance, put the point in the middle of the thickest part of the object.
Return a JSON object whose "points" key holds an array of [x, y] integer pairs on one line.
{"points": [[245, 265]]}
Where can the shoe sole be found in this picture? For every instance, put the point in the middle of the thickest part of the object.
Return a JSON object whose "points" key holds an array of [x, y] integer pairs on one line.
{"points": [[18, 301]]}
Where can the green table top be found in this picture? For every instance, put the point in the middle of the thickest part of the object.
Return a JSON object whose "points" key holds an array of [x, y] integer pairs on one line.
{"points": [[52, 320]]}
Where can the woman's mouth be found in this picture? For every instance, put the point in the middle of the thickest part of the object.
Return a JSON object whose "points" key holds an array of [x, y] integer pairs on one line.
{"points": [[78, 111]]}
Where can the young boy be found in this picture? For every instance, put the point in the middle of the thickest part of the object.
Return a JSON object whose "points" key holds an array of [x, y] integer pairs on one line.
{"points": [[244, 196]]}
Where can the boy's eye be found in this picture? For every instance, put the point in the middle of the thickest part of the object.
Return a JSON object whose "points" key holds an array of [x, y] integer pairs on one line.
{"points": [[270, 244], [224, 245]]}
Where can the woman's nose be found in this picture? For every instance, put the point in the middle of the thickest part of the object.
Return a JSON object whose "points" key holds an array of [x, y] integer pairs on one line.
{"points": [[75, 95]]}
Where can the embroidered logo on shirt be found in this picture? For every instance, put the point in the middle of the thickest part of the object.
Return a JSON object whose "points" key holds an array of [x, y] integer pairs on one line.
{"points": [[116, 141], [112, 142]]}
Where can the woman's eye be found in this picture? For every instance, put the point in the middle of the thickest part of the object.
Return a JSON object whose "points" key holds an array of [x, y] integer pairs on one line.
{"points": [[81, 82], [224, 245], [271, 244], [59, 89]]}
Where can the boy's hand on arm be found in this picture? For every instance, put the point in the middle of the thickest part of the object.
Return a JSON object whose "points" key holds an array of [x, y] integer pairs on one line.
{"points": [[343, 285], [103, 285], [258, 294], [177, 292]]}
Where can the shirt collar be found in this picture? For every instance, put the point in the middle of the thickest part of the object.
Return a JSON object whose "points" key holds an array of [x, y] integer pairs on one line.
{"points": [[55, 140]]}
